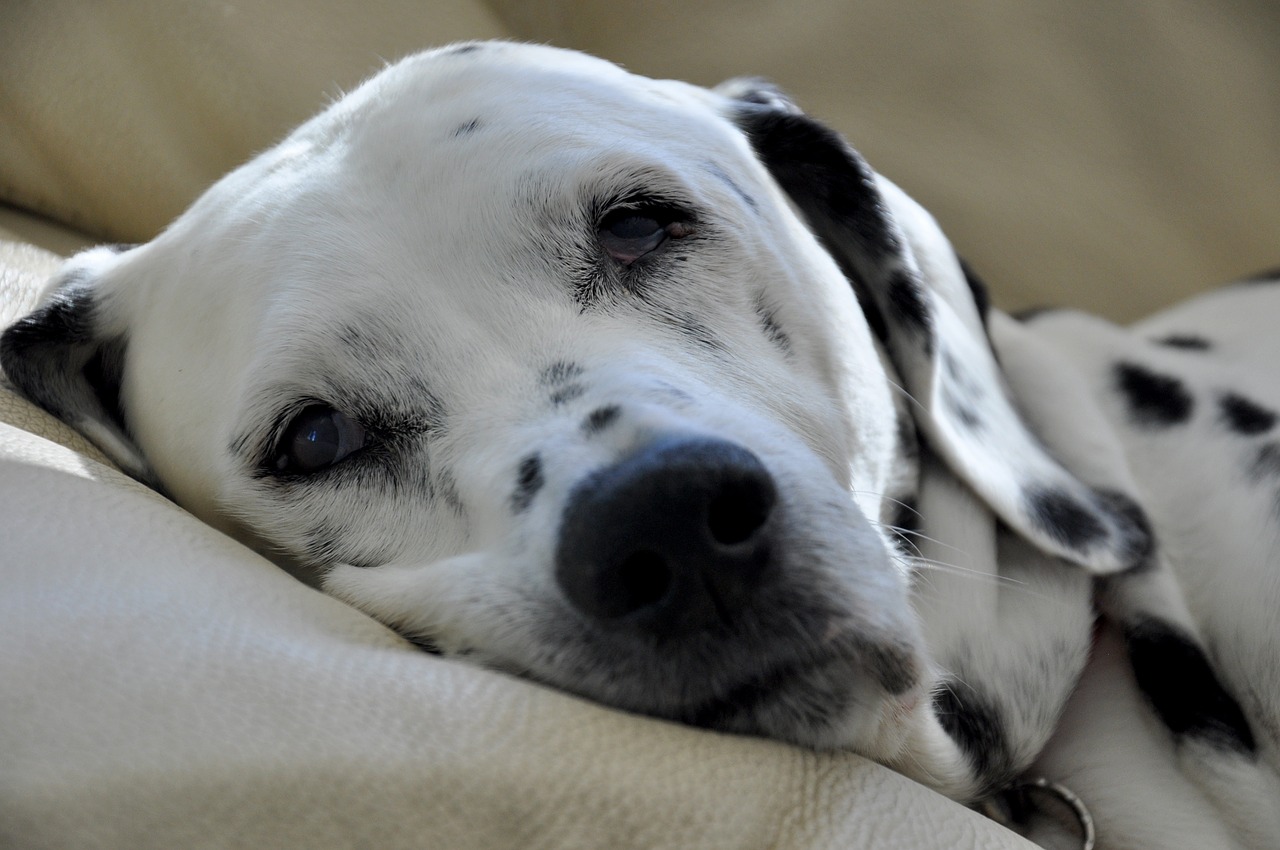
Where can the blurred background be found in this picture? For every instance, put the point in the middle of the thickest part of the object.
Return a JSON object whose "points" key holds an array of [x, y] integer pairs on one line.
{"points": [[1115, 156]]}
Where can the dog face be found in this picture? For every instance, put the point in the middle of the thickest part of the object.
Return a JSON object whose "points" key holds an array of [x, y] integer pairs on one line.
{"points": [[541, 363]]}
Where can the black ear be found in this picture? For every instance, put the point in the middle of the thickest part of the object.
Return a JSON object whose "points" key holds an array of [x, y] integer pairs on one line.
{"points": [[918, 300], [63, 358]]}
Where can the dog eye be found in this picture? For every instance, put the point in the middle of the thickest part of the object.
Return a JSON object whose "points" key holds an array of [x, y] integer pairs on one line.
{"points": [[630, 233], [317, 438]]}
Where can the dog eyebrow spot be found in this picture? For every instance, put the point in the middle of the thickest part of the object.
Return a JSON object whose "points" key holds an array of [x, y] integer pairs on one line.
{"points": [[1186, 342], [1244, 416], [529, 481], [467, 128], [601, 418], [567, 393], [1155, 400], [560, 372]]}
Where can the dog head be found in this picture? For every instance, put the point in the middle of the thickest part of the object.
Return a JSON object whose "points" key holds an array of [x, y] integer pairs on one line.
{"points": [[561, 368]]}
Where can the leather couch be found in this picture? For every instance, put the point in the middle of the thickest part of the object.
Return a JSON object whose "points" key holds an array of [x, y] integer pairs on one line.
{"points": [[163, 686]]}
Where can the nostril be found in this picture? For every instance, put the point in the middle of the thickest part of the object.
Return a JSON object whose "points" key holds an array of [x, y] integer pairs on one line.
{"points": [[736, 513]]}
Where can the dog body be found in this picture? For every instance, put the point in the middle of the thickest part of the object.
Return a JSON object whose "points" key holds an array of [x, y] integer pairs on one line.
{"points": [[630, 387]]}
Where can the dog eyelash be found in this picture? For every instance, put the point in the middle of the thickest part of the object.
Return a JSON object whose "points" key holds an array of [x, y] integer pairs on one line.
{"points": [[378, 437], [623, 264], [666, 212]]}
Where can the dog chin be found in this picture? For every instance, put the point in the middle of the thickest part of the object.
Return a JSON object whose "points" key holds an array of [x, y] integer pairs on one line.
{"points": [[834, 708]]}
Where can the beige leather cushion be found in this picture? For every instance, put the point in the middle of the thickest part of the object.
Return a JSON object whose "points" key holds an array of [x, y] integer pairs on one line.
{"points": [[117, 113], [163, 687], [1111, 156]]}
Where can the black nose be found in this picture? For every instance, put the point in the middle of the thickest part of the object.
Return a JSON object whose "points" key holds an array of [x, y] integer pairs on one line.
{"points": [[672, 539]]}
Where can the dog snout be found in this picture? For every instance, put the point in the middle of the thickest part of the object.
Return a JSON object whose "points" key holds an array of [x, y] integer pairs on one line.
{"points": [[672, 539]]}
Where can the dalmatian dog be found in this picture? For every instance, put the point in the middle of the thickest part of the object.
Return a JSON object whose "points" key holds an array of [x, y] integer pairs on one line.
{"points": [[661, 396]]}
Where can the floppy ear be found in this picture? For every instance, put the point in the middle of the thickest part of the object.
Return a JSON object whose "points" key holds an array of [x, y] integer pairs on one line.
{"points": [[930, 315], [66, 358]]}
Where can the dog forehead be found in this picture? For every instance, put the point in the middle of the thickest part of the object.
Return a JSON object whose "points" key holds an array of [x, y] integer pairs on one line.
{"points": [[507, 106], [526, 82]]}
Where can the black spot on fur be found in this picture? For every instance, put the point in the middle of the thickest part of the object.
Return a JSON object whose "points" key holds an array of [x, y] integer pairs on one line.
{"points": [[894, 667], [1155, 400], [905, 526], [720, 174], [326, 545], [867, 303], [560, 372], [674, 393], [836, 191], [600, 419], [1137, 541], [1266, 463], [1179, 683], [462, 49], [54, 357], [696, 331], [1186, 342], [104, 371], [908, 436], [826, 177], [961, 393], [1061, 516], [960, 408], [447, 488], [467, 128], [567, 393], [529, 481], [1244, 416], [355, 339], [769, 322], [1264, 276], [65, 320], [757, 90], [433, 412], [425, 643], [907, 300], [976, 727], [978, 289], [1032, 313]]}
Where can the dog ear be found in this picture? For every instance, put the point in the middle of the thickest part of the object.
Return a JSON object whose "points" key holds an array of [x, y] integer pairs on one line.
{"points": [[65, 358], [929, 314]]}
